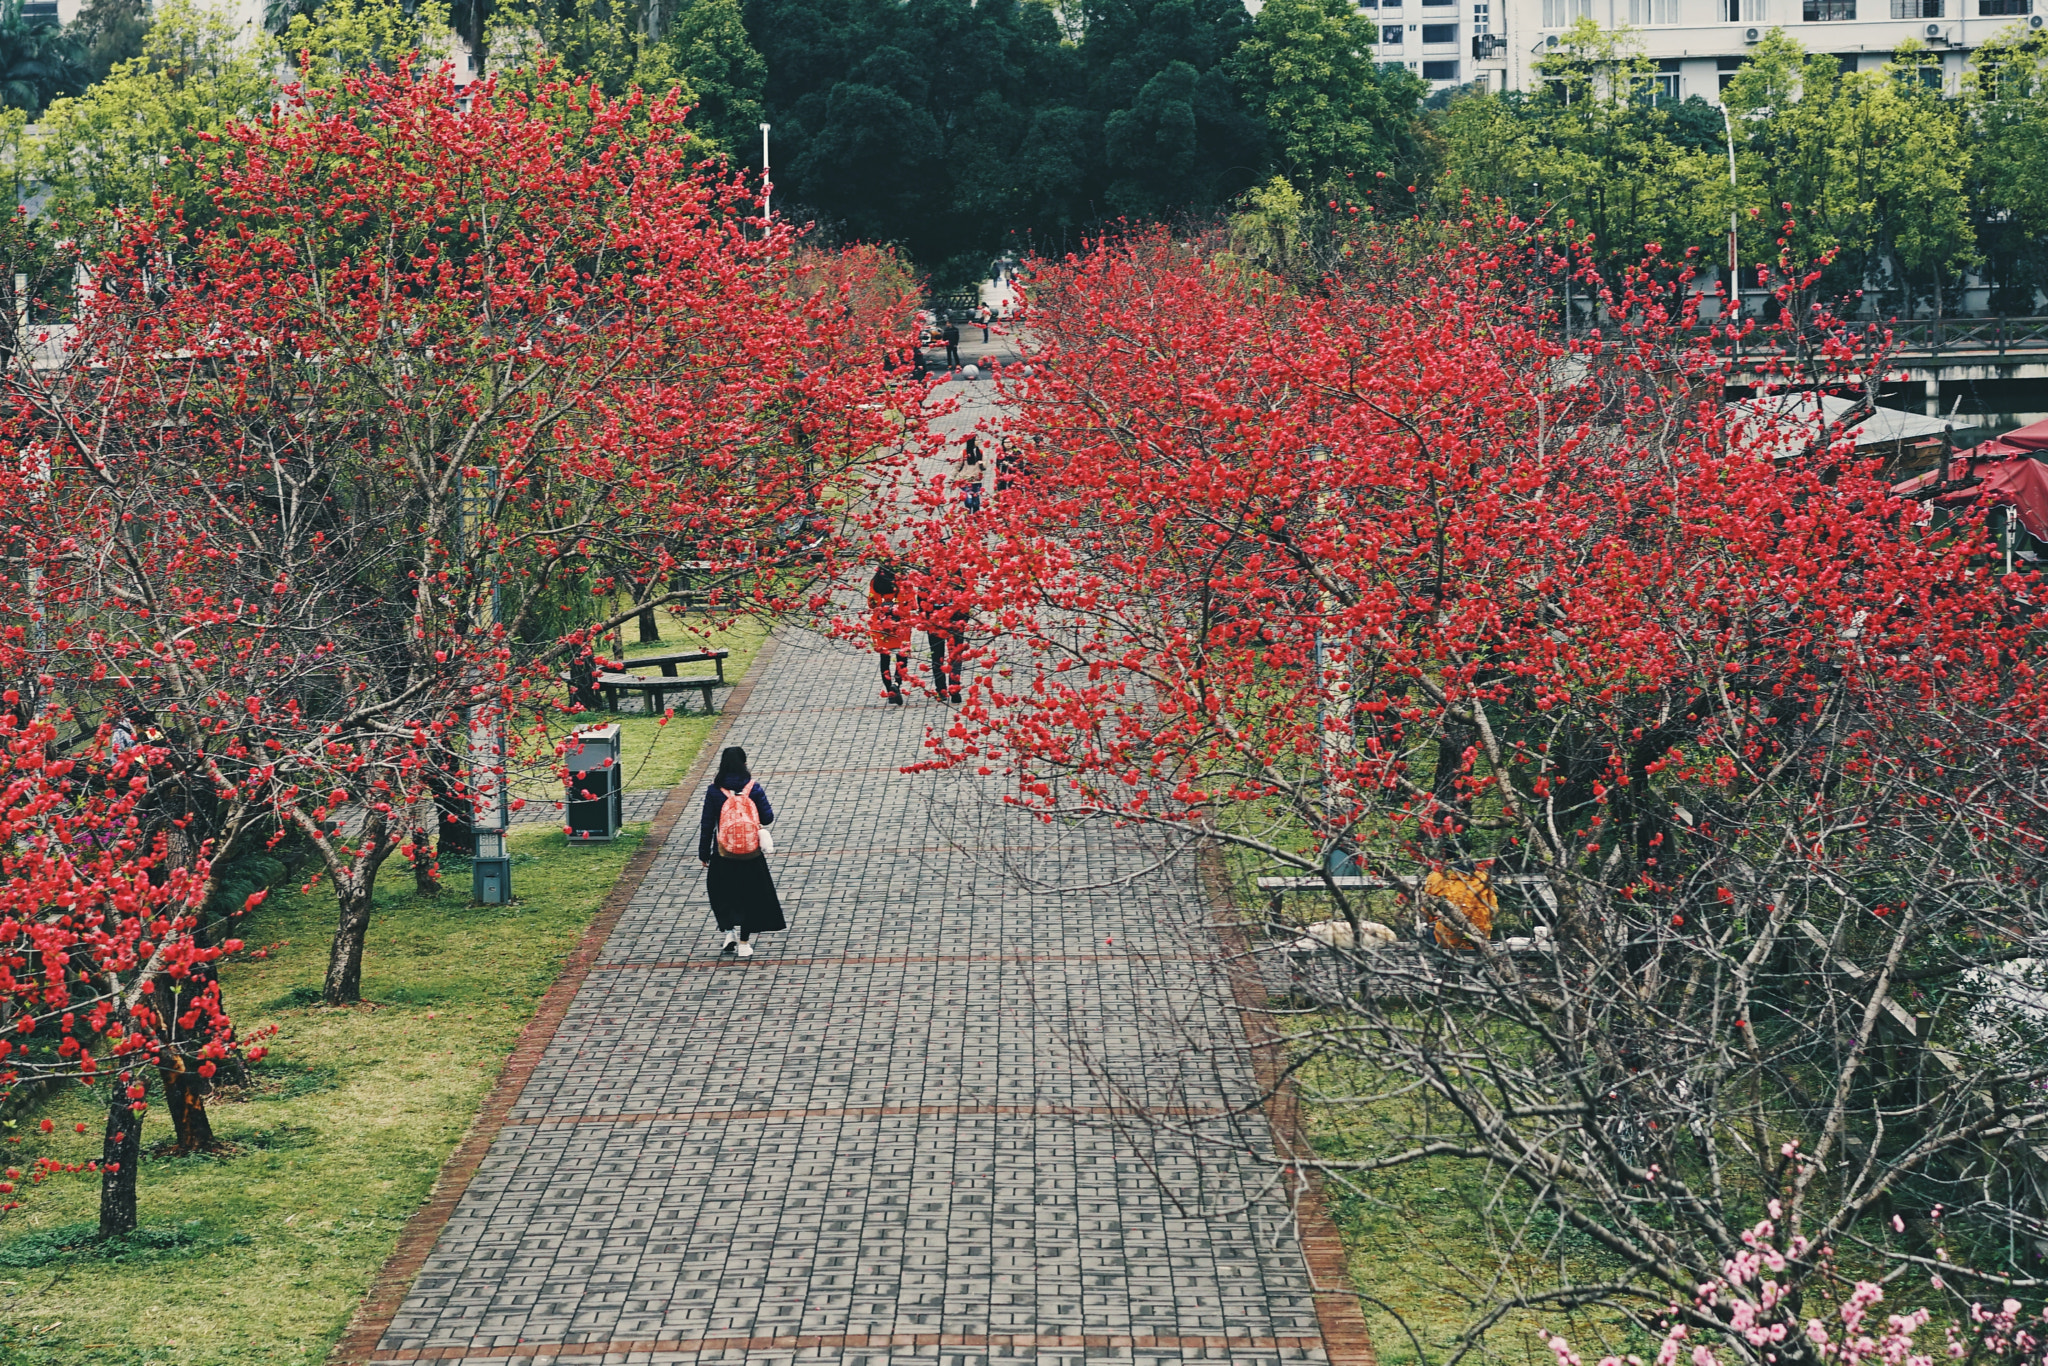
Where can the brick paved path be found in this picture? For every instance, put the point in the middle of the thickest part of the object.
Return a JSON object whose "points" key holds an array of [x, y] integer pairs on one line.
{"points": [[852, 1148]]}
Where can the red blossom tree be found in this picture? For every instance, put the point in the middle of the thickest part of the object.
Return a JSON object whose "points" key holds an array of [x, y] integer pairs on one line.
{"points": [[103, 973], [311, 488], [1385, 582]]}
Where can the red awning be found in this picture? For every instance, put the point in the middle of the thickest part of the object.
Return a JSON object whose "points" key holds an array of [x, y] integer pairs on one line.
{"points": [[2001, 470]]}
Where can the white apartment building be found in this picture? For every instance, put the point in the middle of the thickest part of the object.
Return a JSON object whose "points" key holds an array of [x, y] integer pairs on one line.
{"points": [[1696, 44]]}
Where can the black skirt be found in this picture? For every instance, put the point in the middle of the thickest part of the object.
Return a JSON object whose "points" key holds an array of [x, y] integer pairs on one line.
{"points": [[743, 895]]}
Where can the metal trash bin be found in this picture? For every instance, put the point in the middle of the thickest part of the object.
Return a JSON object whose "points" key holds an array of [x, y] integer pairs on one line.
{"points": [[490, 870], [596, 797]]}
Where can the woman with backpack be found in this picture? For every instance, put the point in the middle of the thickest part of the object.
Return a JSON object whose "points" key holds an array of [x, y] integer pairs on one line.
{"points": [[732, 844]]}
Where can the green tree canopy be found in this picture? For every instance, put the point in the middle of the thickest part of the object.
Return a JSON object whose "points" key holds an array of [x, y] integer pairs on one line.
{"points": [[1308, 68], [148, 127], [1873, 164], [710, 50], [2005, 97]]}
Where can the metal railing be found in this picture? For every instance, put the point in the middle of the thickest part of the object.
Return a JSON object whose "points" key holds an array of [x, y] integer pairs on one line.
{"points": [[1932, 337]]}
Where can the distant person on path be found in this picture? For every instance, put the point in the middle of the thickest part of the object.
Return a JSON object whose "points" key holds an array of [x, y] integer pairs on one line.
{"points": [[952, 345], [891, 628], [1010, 468], [986, 316], [732, 844], [969, 479]]}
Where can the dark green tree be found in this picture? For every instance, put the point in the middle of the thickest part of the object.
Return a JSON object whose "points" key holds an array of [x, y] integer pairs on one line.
{"points": [[1308, 68], [107, 32], [39, 62], [709, 48]]}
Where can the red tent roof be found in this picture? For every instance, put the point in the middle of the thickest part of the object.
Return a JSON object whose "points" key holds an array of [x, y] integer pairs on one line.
{"points": [[2004, 469]]}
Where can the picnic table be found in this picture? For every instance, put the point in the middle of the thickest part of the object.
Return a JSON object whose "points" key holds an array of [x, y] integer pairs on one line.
{"points": [[667, 663], [618, 677]]}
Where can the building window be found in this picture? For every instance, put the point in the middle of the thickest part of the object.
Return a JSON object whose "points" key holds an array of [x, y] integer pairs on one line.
{"points": [[1746, 12], [1391, 35], [1561, 13], [1439, 33], [1439, 71], [1482, 17], [1648, 12], [1917, 9], [2004, 9], [1830, 11]]}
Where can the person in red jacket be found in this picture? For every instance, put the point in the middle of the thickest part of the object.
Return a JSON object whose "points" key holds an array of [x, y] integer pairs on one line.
{"points": [[889, 622]]}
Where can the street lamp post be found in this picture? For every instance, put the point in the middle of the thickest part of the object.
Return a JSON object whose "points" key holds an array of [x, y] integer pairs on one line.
{"points": [[767, 183], [1734, 262]]}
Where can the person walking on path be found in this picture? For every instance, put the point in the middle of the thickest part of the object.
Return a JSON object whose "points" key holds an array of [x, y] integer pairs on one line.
{"points": [[945, 630], [986, 315], [952, 345], [890, 625], [733, 844], [969, 480]]}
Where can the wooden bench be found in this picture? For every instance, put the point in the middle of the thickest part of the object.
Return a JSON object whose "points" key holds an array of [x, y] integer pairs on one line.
{"points": [[655, 690], [667, 663]]}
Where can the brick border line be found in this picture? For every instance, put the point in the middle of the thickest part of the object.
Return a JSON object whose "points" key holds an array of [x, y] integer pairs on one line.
{"points": [[892, 960], [1346, 1338], [1042, 1111], [380, 1304], [813, 1341]]}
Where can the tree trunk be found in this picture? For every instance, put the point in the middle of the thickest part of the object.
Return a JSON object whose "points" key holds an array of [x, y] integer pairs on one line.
{"points": [[120, 1163], [650, 629], [583, 693], [356, 890], [426, 871], [457, 836], [344, 985], [185, 1093]]}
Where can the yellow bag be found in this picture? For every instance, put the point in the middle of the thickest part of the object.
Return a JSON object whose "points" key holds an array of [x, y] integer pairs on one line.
{"points": [[1472, 894]]}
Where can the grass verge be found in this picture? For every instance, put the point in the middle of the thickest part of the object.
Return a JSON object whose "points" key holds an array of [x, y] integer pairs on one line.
{"points": [[259, 1255]]}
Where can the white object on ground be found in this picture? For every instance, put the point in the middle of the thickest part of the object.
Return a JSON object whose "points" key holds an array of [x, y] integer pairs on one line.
{"points": [[1336, 934], [970, 373], [2009, 995]]}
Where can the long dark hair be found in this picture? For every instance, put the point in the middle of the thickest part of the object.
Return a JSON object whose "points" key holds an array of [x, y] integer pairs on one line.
{"points": [[732, 769], [885, 580]]}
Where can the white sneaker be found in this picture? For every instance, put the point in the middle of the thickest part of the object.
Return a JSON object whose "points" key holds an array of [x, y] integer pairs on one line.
{"points": [[732, 937], [746, 949]]}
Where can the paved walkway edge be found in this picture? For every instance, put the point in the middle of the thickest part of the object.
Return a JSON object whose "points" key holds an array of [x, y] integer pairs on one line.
{"points": [[1346, 1339], [387, 1292]]}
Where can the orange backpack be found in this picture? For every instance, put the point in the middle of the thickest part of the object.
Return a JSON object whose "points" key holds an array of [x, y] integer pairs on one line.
{"points": [[739, 827]]}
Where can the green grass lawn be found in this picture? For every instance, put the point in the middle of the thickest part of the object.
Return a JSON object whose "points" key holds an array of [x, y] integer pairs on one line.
{"points": [[261, 1255]]}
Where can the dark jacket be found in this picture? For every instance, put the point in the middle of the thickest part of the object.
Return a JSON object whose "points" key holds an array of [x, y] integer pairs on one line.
{"points": [[714, 802]]}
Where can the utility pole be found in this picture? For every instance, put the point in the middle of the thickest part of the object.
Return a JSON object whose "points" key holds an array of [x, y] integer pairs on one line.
{"points": [[1734, 261]]}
